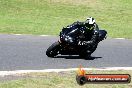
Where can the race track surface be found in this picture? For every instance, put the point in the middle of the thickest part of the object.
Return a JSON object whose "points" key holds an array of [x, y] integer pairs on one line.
{"points": [[27, 52]]}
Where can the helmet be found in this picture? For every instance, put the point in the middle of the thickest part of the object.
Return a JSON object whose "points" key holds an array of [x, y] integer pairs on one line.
{"points": [[89, 23]]}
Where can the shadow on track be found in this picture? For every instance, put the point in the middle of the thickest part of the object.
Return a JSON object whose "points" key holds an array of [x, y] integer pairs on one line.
{"points": [[76, 57]]}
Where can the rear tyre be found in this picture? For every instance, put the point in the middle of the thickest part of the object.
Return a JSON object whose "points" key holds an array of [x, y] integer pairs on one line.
{"points": [[53, 49]]}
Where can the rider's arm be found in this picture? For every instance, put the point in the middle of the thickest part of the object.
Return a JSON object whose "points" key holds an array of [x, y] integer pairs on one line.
{"points": [[95, 36], [93, 41], [96, 27]]}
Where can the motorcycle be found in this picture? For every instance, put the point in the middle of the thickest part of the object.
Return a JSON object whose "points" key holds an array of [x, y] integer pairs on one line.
{"points": [[64, 48]]}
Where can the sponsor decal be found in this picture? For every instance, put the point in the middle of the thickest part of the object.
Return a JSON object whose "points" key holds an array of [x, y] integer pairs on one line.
{"points": [[83, 78]]}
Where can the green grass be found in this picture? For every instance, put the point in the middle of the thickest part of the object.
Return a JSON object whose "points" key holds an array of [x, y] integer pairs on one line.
{"points": [[49, 16], [60, 80]]}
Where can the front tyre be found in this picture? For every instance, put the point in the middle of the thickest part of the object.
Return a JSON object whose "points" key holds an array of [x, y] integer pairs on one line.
{"points": [[53, 49]]}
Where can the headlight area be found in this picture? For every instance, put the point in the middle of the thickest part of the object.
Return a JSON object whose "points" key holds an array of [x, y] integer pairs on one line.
{"points": [[68, 39]]}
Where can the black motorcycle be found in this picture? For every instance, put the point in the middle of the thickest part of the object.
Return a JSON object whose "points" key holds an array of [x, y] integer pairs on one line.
{"points": [[64, 48]]}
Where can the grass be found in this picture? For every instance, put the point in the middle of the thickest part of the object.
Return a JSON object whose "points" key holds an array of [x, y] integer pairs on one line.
{"points": [[60, 80], [49, 16]]}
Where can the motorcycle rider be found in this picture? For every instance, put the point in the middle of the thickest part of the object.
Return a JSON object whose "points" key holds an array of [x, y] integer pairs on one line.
{"points": [[83, 34]]}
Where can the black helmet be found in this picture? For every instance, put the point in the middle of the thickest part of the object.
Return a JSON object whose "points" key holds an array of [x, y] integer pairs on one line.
{"points": [[89, 23]]}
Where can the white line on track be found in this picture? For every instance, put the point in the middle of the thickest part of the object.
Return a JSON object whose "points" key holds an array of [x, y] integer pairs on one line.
{"points": [[31, 34], [44, 35], [5, 73], [17, 34], [119, 38]]}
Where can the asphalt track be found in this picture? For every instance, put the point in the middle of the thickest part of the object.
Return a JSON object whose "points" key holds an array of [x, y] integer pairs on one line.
{"points": [[27, 52]]}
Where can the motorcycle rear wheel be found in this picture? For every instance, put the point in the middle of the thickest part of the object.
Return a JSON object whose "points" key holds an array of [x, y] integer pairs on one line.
{"points": [[53, 49]]}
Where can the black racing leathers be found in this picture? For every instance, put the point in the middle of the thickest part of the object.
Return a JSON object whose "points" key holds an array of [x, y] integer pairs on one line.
{"points": [[77, 34]]}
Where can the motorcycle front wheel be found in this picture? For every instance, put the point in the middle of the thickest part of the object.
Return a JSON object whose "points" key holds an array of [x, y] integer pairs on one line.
{"points": [[52, 51]]}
